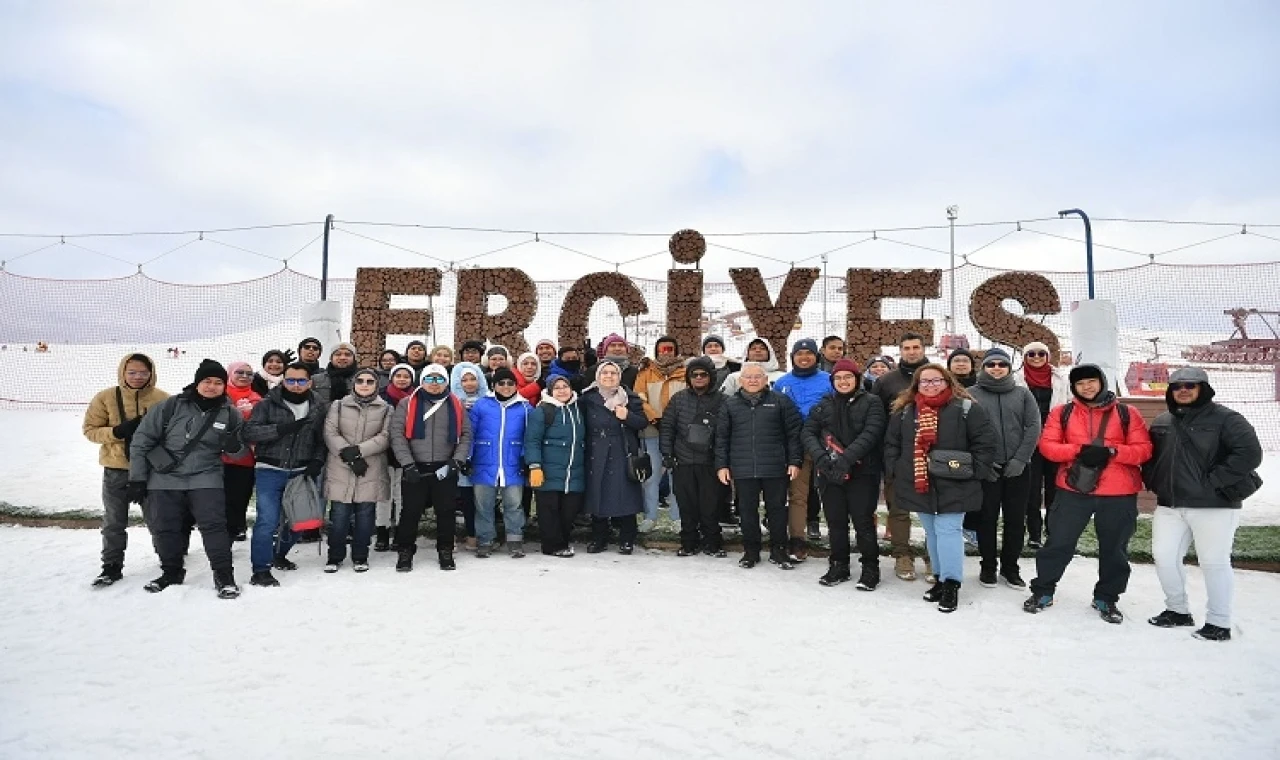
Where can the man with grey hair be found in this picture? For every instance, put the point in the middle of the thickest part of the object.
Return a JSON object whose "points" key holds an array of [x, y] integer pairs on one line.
{"points": [[1201, 470], [758, 449]]}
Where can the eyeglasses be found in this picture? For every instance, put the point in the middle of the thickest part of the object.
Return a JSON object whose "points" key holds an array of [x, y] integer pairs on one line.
{"points": [[1004, 365], [1039, 354], [844, 377], [295, 381], [137, 373], [366, 381], [933, 382], [308, 347], [501, 383], [243, 373], [436, 379], [1182, 386]]}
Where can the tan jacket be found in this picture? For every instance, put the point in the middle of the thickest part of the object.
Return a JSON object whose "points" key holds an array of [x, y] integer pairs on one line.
{"points": [[350, 423], [655, 389], [104, 412]]}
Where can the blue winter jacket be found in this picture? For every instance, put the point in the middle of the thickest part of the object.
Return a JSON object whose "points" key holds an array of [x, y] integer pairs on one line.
{"points": [[497, 452], [559, 448], [805, 392]]}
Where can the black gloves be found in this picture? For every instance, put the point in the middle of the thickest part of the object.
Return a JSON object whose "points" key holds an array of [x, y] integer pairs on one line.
{"points": [[1013, 468], [289, 428], [668, 461], [833, 467], [461, 466], [411, 473], [1093, 456], [136, 491], [350, 454], [126, 429], [359, 467], [313, 469], [289, 356]]}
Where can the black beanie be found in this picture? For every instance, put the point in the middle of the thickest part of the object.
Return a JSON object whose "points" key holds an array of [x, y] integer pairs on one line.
{"points": [[305, 341], [210, 368], [503, 373]]}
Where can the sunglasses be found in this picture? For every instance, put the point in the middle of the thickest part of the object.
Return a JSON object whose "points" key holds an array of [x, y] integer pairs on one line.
{"points": [[699, 374], [308, 347], [997, 364], [296, 380], [1038, 353], [243, 373], [501, 383], [1182, 386], [437, 379], [366, 381]]}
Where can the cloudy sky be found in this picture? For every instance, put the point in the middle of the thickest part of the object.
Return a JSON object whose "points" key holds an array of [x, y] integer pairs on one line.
{"points": [[580, 116]]}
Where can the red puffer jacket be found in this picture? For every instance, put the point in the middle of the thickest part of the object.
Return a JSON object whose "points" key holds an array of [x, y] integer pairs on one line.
{"points": [[1123, 474], [243, 399]]}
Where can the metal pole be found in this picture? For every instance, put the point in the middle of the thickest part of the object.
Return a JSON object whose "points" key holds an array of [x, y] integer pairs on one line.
{"points": [[1088, 243], [324, 260], [825, 331], [952, 213]]}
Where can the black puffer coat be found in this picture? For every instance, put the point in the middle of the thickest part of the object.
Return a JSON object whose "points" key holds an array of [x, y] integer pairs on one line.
{"points": [[956, 432], [863, 415], [758, 438], [686, 408], [1224, 449]]}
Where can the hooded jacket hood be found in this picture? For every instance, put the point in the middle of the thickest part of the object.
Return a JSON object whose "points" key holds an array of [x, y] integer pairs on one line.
{"points": [[455, 382], [770, 365], [120, 378], [1189, 375]]}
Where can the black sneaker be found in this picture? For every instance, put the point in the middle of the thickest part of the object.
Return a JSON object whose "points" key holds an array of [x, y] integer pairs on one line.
{"points": [[1034, 543], [1013, 579], [719, 553], [687, 551], [264, 578], [868, 580], [404, 563], [595, 547], [987, 578], [950, 596], [240, 537], [283, 563], [813, 531], [626, 548], [382, 542], [1108, 611], [446, 559], [749, 561], [164, 582], [225, 583], [837, 573], [934, 594], [780, 558], [1171, 619], [109, 575], [1212, 632], [1035, 604]]}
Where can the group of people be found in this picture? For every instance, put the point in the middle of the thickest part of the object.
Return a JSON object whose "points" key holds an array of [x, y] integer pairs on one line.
{"points": [[970, 444]]}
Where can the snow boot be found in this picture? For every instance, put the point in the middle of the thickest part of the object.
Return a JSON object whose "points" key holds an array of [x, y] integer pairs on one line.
{"points": [[837, 573], [404, 563], [626, 548], [987, 578], [1108, 611], [382, 540], [779, 557], [1171, 619], [595, 547], [798, 550], [905, 568], [224, 582], [1211, 632], [109, 575], [869, 579], [282, 562], [950, 599], [750, 558], [1036, 604], [264, 578], [445, 558], [169, 578], [934, 594]]}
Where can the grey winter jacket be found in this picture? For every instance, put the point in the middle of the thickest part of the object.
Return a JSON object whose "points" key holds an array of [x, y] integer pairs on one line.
{"points": [[434, 446], [1223, 450], [366, 426], [1014, 415], [202, 468], [291, 451], [758, 438]]}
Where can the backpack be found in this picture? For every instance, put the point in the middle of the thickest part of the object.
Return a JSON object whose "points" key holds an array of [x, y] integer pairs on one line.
{"points": [[1065, 415]]}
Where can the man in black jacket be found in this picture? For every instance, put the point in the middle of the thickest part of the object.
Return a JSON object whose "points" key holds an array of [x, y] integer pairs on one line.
{"points": [[687, 443], [1201, 470], [758, 449], [910, 358]]}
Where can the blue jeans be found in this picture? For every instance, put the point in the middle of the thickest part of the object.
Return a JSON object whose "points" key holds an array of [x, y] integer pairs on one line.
{"points": [[512, 514], [340, 519], [263, 546], [652, 484], [945, 538]]}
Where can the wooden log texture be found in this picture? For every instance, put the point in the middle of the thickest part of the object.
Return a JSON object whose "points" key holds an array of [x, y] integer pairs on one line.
{"points": [[684, 309], [687, 246], [473, 322], [572, 326], [1033, 292], [866, 332], [773, 321], [373, 319]]}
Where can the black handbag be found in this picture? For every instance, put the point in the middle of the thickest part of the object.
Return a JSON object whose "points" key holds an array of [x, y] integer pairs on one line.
{"points": [[950, 464], [1082, 477], [698, 436], [639, 466]]}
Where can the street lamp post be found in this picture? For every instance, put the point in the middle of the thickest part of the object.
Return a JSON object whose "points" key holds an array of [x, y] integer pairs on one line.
{"points": [[952, 213], [1088, 243]]}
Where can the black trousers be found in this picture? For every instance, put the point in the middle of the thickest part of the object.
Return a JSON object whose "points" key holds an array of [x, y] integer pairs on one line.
{"points": [[815, 501], [1043, 487], [556, 513], [171, 513], [238, 484], [440, 495], [626, 525], [854, 500], [1008, 497], [774, 491], [700, 495], [1114, 520]]}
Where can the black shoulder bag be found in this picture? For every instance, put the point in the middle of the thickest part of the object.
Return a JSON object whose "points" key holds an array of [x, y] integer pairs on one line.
{"points": [[164, 461], [1082, 477], [639, 466]]}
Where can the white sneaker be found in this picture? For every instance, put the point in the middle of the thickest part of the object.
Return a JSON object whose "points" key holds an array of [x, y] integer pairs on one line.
{"points": [[331, 568], [646, 525], [360, 567]]}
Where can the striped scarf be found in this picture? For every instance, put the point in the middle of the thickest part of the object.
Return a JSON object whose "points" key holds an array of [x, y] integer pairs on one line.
{"points": [[926, 435]]}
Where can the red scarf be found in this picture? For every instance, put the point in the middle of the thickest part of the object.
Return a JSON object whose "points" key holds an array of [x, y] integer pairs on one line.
{"points": [[1038, 377], [395, 395], [926, 435]]}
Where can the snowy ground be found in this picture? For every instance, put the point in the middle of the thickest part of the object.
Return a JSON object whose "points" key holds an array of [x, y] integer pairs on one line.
{"points": [[56, 469], [607, 656]]}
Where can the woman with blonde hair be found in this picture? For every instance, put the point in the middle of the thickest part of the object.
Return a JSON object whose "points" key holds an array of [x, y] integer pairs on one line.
{"points": [[939, 447]]}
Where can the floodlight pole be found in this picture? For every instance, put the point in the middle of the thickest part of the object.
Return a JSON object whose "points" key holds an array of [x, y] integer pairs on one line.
{"points": [[324, 259], [1088, 243], [952, 213]]}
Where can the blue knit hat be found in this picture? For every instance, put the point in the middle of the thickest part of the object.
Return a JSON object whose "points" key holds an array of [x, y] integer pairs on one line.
{"points": [[804, 344], [996, 353]]}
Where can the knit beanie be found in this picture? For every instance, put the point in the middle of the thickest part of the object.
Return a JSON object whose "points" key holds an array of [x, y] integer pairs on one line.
{"points": [[712, 339], [210, 368], [804, 344], [472, 344], [276, 353], [503, 373], [433, 369], [305, 341], [1035, 345], [347, 346], [996, 353]]}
